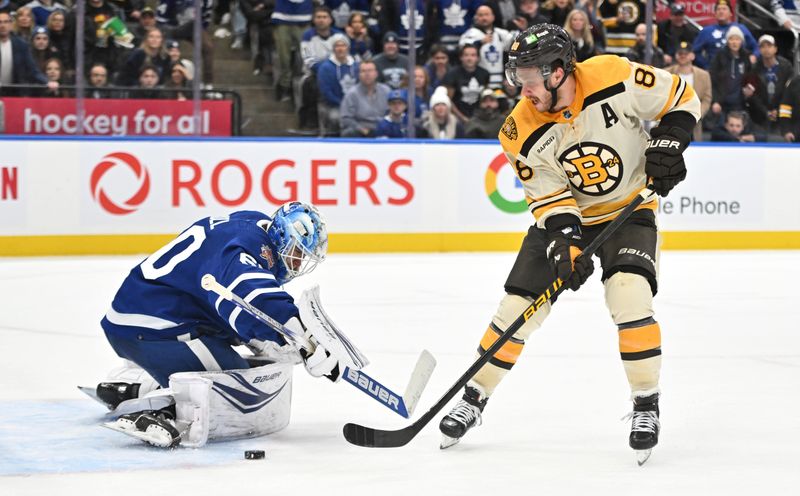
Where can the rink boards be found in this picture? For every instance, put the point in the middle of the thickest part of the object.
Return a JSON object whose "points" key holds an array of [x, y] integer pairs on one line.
{"points": [[117, 196]]}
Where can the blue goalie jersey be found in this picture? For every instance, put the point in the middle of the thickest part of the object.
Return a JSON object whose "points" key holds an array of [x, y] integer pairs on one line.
{"points": [[161, 299]]}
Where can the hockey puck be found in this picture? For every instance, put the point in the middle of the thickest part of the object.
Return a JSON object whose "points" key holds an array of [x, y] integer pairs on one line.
{"points": [[254, 454]]}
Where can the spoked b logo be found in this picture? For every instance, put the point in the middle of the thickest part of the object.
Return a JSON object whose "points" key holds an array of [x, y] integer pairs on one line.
{"points": [[593, 168], [141, 177]]}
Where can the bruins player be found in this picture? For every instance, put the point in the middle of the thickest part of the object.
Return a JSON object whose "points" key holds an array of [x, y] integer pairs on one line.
{"points": [[577, 144]]}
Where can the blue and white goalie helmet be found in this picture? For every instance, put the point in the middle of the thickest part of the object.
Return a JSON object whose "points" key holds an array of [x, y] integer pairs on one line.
{"points": [[299, 238]]}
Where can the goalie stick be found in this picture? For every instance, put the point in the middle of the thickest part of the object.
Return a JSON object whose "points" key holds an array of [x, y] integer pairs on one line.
{"points": [[377, 438], [402, 405]]}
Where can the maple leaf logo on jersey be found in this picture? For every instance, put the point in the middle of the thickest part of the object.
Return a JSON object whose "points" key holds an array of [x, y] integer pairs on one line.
{"points": [[266, 254], [509, 128]]}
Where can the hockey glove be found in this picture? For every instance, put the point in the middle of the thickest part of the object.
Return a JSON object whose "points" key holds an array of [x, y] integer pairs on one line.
{"points": [[562, 251], [664, 158], [320, 362]]}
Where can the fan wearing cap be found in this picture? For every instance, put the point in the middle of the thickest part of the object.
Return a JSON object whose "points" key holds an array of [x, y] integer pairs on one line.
{"points": [[487, 119], [697, 78], [41, 48], [392, 65], [395, 123], [768, 78], [674, 31], [146, 22], [576, 143], [714, 36], [728, 69]]}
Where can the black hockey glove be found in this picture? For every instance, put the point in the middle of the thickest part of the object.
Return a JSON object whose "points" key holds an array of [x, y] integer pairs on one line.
{"points": [[664, 158], [562, 251]]}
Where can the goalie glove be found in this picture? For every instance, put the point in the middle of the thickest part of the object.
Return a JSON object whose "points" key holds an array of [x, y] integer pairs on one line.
{"points": [[320, 362], [562, 251], [664, 162], [317, 360]]}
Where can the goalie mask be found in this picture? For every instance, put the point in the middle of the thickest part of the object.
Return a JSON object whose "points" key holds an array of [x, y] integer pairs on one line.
{"points": [[546, 47], [299, 239]]}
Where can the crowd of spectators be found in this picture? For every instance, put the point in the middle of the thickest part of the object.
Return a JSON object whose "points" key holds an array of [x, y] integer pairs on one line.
{"points": [[344, 64]]}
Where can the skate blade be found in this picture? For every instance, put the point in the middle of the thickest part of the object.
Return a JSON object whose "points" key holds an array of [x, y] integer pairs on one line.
{"points": [[642, 456], [92, 393], [448, 441]]}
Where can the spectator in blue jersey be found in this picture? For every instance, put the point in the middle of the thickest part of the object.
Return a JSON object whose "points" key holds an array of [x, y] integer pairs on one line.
{"points": [[395, 123], [42, 9], [422, 92], [365, 104], [392, 65], [164, 322], [393, 15], [453, 18], [343, 10], [335, 77], [291, 18], [361, 46], [712, 37]]}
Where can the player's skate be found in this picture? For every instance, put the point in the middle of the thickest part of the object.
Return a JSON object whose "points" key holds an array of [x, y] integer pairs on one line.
{"points": [[156, 428], [645, 426], [463, 417]]}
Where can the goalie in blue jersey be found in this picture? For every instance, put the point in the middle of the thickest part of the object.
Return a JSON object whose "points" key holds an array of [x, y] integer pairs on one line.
{"points": [[184, 382]]}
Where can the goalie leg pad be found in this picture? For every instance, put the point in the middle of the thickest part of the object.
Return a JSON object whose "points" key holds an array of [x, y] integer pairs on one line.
{"points": [[232, 404], [511, 307]]}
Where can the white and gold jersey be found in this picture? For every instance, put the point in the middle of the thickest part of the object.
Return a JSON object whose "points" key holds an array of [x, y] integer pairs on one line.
{"points": [[588, 159]]}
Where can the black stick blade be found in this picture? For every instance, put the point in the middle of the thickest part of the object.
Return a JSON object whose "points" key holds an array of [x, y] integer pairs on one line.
{"points": [[367, 437]]}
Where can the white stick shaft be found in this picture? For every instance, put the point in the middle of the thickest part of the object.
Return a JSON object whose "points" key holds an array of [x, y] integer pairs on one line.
{"points": [[209, 283]]}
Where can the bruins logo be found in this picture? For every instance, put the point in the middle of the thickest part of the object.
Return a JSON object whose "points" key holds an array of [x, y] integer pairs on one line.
{"points": [[509, 128], [593, 168]]}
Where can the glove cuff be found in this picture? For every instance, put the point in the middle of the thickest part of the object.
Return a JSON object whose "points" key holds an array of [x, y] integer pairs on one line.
{"points": [[556, 223]]}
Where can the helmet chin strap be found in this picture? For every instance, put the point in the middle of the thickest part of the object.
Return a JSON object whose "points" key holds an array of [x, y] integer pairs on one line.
{"points": [[553, 92]]}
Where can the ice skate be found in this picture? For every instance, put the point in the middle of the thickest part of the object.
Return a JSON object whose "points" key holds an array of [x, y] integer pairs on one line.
{"points": [[156, 428], [645, 426], [463, 417]]}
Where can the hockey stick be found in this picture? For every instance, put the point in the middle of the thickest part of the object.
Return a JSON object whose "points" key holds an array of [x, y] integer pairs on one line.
{"points": [[377, 438], [402, 405]]}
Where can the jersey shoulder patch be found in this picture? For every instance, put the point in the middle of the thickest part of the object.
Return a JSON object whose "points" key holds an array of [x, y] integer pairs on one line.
{"points": [[522, 124]]}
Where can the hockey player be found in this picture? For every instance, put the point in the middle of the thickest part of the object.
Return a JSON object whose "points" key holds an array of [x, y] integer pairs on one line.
{"points": [[577, 145], [163, 321]]}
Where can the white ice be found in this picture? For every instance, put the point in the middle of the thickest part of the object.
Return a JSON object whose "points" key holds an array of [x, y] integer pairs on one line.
{"points": [[730, 381]]}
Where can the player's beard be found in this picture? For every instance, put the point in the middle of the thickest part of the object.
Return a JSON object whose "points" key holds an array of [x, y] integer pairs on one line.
{"points": [[542, 104]]}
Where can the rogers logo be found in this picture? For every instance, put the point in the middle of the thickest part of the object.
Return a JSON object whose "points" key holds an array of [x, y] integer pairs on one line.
{"points": [[142, 176]]}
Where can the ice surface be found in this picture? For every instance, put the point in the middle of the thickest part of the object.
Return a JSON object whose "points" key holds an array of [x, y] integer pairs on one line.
{"points": [[730, 380]]}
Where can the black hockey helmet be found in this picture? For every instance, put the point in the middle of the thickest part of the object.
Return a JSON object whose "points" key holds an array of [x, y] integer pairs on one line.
{"points": [[543, 46]]}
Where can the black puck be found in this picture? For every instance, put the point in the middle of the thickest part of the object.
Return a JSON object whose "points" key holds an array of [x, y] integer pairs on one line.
{"points": [[254, 454]]}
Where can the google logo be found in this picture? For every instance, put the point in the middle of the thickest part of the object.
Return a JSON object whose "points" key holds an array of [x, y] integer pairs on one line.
{"points": [[497, 199]]}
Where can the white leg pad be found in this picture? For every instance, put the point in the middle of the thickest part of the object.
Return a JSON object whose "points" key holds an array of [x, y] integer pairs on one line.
{"points": [[232, 404], [628, 297]]}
